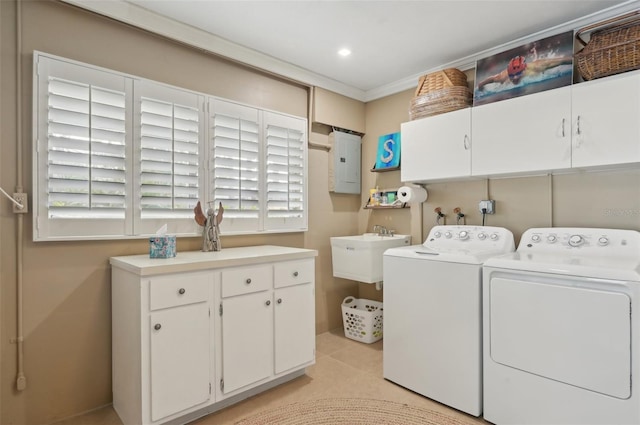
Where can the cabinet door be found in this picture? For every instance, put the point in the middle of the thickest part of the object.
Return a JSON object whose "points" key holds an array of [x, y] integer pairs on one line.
{"points": [[437, 147], [295, 331], [247, 339], [526, 134], [605, 121], [179, 359]]}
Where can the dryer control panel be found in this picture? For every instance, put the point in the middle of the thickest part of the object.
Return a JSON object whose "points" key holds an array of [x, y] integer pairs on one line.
{"points": [[471, 238], [587, 240]]}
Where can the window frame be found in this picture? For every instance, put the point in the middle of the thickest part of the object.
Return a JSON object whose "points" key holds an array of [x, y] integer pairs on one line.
{"points": [[133, 226]]}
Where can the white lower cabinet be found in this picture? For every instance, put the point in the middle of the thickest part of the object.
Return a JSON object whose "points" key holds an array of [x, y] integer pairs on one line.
{"points": [[294, 326], [267, 329], [179, 355], [246, 317], [193, 336]]}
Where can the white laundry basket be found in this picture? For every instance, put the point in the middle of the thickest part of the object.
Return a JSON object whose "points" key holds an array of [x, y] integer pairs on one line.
{"points": [[362, 319]]}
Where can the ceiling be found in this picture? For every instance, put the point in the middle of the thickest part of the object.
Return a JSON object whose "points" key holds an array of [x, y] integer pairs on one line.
{"points": [[392, 42]]}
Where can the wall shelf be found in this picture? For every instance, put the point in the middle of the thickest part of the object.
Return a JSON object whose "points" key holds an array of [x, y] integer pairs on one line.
{"points": [[386, 207], [382, 170], [393, 206]]}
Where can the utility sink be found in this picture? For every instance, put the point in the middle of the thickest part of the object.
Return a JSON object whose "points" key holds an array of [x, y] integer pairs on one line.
{"points": [[359, 257]]}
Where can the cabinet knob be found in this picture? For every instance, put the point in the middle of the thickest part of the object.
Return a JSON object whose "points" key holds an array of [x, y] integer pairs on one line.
{"points": [[181, 291], [279, 300], [157, 326], [248, 281], [268, 302], [295, 274]]}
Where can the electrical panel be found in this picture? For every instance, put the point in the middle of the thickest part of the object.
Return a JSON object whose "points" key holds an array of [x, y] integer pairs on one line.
{"points": [[344, 162]]}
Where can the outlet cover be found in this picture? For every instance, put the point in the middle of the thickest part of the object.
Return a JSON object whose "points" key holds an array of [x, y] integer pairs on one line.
{"points": [[490, 206], [21, 198]]}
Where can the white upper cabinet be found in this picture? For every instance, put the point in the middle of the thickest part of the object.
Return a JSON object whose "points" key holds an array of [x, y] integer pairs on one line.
{"points": [[594, 124], [605, 121], [522, 135], [437, 147]]}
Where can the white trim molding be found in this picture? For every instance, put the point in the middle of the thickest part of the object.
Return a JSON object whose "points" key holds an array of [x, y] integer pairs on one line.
{"points": [[142, 18]]}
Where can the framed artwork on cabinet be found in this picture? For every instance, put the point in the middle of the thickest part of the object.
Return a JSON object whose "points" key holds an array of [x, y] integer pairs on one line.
{"points": [[541, 65]]}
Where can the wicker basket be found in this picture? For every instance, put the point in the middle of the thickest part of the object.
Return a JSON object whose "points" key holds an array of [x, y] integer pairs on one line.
{"points": [[449, 77], [612, 49], [440, 101]]}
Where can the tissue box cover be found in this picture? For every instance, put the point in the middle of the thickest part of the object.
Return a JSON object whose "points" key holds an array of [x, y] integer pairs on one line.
{"points": [[162, 246]]}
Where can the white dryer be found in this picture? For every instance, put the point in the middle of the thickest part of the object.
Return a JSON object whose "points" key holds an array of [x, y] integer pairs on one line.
{"points": [[561, 329], [432, 313]]}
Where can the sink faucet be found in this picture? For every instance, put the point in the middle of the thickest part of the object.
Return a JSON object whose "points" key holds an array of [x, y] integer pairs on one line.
{"points": [[380, 229]]}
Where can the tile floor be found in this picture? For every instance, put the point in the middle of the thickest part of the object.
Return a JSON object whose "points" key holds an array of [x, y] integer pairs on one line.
{"points": [[344, 368]]}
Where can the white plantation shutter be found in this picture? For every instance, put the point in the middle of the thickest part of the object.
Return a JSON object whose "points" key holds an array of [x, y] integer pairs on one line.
{"points": [[81, 155], [117, 156], [170, 134], [235, 165], [86, 151], [285, 172]]}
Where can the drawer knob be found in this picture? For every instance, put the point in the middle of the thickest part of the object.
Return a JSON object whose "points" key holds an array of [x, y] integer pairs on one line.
{"points": [[295, 274], [157, 326], [181, 291], [279, 300], [248, 281], [268, 302]]}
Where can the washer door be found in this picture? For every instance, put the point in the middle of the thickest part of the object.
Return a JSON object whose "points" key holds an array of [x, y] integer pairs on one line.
{"points": [[575, 335]]}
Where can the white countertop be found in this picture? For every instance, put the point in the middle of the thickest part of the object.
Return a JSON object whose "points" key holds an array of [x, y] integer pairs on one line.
{"points": [[197, 260]]}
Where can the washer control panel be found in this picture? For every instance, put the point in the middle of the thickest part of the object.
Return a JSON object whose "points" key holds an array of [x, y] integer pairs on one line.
{"points": [[574, 238], [469, 237]]}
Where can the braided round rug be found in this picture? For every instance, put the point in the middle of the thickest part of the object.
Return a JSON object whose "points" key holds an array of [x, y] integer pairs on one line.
{"points": [[352, 412]]}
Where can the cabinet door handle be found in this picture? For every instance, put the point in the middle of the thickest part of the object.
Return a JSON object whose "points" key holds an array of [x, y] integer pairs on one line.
{"points": [[181, 291], [268, 302], [465, 142], [157, 326], [578, 131], [279, 300], [563, 120], [295, 274], [248, 281]]}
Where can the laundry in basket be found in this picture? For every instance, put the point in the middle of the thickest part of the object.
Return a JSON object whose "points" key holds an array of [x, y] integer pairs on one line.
{"points": [[362, 319]]}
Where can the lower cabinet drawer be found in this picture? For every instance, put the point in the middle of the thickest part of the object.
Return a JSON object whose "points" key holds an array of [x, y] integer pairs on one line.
{"points": [[179, 289], [288, 273], [245, 280]]}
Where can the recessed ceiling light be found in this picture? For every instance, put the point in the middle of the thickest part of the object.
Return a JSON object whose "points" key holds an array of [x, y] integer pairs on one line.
{"points": [[344, 52]]}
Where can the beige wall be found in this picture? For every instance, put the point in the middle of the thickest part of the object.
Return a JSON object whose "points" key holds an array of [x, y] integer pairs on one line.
{"points": [[67, 284], [67, 302], [605, 199], [335, 110]]}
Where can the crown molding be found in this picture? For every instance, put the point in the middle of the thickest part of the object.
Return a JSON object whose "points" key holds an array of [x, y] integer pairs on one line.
{"points": [[150, 21], [469, 62], [139, 17]]}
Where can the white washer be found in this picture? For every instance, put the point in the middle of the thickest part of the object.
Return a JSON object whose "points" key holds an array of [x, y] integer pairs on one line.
{"points": [[432, 313], [561, 335]]}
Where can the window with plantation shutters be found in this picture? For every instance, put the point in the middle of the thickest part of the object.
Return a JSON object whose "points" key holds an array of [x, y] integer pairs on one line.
{"points": [[118, 156], [169, 126], [82, 158], [285, 171], [235, 164]]}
